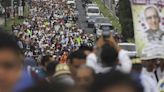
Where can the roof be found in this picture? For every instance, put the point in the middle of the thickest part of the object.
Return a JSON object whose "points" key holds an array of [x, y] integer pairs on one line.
{"points": [[126, 44], [71, 2], [88, 5], [101, 20], [93, 7]]}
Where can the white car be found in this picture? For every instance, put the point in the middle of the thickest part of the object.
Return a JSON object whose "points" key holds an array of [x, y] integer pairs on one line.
{"points": [[92, 11], [130, 48], [70, 0], [72, 3]]}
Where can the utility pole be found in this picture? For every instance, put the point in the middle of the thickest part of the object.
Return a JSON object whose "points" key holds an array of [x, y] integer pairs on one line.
{"points": [[12, 8], [20, 2]]}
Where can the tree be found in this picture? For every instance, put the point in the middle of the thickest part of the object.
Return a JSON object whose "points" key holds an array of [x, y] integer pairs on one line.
{"points": [[5, 3], [125, 18]]}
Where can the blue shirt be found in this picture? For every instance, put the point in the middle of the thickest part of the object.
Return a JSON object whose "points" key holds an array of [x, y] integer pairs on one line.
{"points": [[26, 81]]}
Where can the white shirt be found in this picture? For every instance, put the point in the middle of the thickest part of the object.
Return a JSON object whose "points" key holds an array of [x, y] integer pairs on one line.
{"points": [[126, 63], [148, 83], [92, 62], [150, 74]]}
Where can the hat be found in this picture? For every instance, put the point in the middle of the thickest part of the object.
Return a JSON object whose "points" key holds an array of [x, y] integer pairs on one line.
{"points": [[152, 52], [62, 69]]}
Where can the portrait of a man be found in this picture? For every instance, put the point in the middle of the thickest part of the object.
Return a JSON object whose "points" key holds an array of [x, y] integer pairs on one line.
{"points": [[154, 33], [154, 47]]}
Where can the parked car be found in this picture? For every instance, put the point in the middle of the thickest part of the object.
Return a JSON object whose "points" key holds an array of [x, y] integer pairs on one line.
{"points": [[71, 0], [91, 20], [101, 20], [92, 11], [72, 3], [130, 48], [101, 23]]}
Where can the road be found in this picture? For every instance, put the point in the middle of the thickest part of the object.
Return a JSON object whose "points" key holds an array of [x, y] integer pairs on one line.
{"points": [[82, 18]]}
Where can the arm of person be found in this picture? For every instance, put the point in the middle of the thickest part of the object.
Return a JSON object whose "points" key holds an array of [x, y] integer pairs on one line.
{"points": [[123, 58], [113, 43], [126, 64]]}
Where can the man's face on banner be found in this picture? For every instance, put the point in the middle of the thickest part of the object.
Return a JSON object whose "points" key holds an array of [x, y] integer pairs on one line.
{"points": [[152, 18]]}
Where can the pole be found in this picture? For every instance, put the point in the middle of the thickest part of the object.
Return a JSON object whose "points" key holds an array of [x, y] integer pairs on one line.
{"points": [[20, 2], [12, 8]]}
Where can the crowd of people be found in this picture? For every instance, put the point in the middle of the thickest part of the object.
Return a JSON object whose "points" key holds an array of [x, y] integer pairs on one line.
{"points": [[51, 26], [50, 52]]}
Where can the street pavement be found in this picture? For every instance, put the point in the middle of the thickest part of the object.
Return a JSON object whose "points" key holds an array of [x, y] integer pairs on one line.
{"points": [[82, 18]]}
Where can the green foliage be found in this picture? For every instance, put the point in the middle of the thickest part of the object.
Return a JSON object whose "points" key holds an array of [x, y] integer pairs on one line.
{"points": [[108, 13], [125, 18], [5, 3], [16, 2]]}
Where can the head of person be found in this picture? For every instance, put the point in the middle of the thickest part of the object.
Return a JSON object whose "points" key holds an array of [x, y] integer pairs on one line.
{"points": [[76, 59], [63, 75], [51, 68], [87, 49], [150, 64], [109, 56], [116, 81], [152, 18], [11, 61], [85, 76], [62, 69], [46, 60]]}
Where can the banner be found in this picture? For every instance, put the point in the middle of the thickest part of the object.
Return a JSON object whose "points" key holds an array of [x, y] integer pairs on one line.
{"points": [[148, 19]]}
